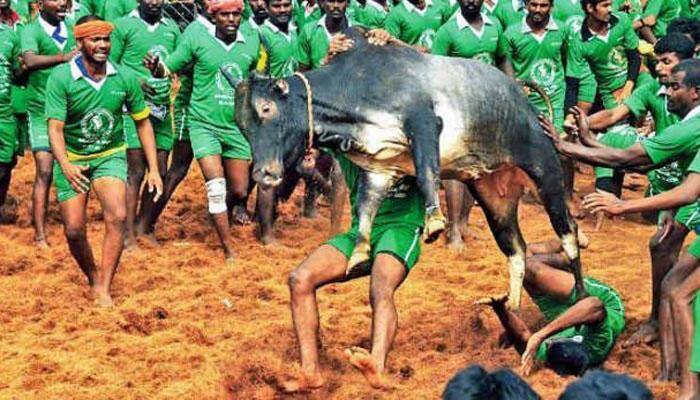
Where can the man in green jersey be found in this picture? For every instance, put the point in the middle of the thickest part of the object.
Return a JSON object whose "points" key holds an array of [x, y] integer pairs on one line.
{"points": [[470, 34], [9, 70], [258, 14], [679, 142], [395, 250], [415, 22], [145, 30], [372, 13], [279, 39], [323, 38], [306, 12], [578, 334], [510, 12], [84, 103], [657, 15], [46, 43], [220, 148]]}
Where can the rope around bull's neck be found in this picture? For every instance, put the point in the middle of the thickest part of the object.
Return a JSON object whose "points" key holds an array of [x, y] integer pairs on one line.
{"points": [[309, 111]]}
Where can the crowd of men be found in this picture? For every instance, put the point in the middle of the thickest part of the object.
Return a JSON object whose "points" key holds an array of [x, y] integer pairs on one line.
{"points": [[115, 97]]}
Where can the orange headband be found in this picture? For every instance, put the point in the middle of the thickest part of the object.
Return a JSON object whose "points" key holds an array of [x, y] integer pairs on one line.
{"points": [[92, 28], [225, 5]]}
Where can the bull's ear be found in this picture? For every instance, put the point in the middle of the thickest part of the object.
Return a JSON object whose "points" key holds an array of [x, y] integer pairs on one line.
{"points": [[282, 87]]}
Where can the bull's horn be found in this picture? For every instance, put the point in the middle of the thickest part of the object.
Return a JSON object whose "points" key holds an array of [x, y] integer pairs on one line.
{"points": [[229, 78]]}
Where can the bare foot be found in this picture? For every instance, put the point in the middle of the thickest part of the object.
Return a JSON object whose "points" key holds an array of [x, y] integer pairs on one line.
{"points": [[455, 242], [151, 238], [41, 244], [130, 243], [240, 216], [230, 259], [363, 361], [647, 333], [302, 383]]}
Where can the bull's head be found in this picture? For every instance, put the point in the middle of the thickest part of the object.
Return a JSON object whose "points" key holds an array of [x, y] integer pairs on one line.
{"points": [[270, 117]]}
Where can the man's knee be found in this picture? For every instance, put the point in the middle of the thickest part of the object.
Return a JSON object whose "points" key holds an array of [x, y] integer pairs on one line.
{"points": [[216, 195], [135, 175], [75, 233], [668, 285], [300, 282], [44, 175], [116, 217], [239, 190]]}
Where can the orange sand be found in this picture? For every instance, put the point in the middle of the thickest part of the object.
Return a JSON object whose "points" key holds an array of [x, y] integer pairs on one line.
{"points": [[171, 335]]}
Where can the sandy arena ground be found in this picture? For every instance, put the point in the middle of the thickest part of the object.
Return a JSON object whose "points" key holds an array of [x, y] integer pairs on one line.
{"points": [[187, 326]]}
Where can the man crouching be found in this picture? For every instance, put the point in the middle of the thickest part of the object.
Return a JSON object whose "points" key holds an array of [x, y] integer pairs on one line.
{"points": [[395, 248]]}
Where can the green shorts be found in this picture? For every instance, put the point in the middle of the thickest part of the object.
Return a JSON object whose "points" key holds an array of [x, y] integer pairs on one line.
{"points": [[618, 137], [38, 132], [182, 133], [208, 142], [9, 145], [163, 131], [401, 241], [113, 165], [695, 346], [598, 339]]}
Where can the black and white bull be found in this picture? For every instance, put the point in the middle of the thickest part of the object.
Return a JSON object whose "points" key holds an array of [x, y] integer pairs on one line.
{"points": [[381, 105]]}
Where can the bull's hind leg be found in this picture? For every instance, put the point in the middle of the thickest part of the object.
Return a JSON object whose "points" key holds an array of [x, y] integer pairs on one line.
{"points": [[423, 130], [498, 194], [371, 190]]}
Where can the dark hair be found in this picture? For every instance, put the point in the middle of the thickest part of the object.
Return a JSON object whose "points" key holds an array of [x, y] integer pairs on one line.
{"points": [[695, 30], [680, 25], [568, 358], [601, 385], [676, 43], [593, 3], [474, 383], [87, 18], [691, 67]]}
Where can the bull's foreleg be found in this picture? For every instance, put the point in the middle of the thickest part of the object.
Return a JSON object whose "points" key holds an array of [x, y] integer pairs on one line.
{"points": [[338, 195], [371, 190], [265, 214], [423, 131], [498, 195]]}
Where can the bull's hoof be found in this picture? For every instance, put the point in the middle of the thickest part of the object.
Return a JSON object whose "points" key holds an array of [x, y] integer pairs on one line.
{"points": [[358, 263], [434, 227]]}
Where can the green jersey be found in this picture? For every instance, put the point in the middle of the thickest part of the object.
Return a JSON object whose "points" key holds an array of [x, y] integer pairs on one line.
{"points": [[313, 43], [510, 12], [403, 205], [212, 102], [9, 52], [598, 338], [665, 11], [414, 26], [92, 111], [540, 59], [635, 8], [133, 38], [109, 10], [679, 142], [303, 15], [372, 14], [489, 10], [42, 38], [457, 38], [23, 9], [565, 9], [280, 49], [606, 55], [689, 8]]}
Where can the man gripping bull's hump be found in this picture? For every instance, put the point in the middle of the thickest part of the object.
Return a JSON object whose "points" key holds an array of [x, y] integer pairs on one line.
{"points": [[450, 118]]}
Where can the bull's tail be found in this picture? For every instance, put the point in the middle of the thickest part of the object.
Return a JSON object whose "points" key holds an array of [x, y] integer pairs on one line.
{"points": [[543, 166]]}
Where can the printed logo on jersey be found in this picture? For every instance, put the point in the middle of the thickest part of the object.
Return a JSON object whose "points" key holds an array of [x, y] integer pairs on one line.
{"points": [[426, 38], [4, 76], [544, 72], [574, 23], [618, 60], [160, 51], [97, 125], [232, 69], [484, 58]]}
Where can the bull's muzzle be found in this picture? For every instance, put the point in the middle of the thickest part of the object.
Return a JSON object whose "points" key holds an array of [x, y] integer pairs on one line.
{"points": [[269, 175]]}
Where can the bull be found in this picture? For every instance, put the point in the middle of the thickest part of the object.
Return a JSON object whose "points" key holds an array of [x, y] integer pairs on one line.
{"points": [[390, 108]]}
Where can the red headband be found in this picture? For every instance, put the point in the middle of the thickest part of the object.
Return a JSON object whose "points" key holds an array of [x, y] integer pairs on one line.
{"points": [[225, 5], [92, 28]]}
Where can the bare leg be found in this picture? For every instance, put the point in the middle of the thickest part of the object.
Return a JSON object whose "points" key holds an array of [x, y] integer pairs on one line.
{"points": [[5, 178], [669, 354], [111, 193], [180, 164], [517, 331], [147, 204], [664, 254], [73, 215], [387, 275], [681, 300], [40, 195], [237, 180], [212, 168], [136, 170], [325, 265], [454, 197], [339, 195]]}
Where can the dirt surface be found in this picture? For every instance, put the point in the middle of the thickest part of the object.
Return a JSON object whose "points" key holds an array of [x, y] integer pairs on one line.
{"points": [[187, 326]]}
